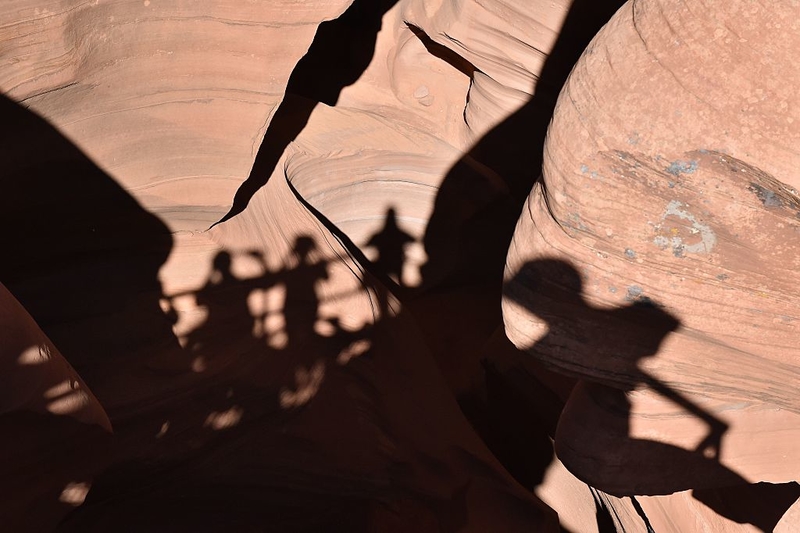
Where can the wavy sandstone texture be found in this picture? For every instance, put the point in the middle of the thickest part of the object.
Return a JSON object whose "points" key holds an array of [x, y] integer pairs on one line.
{"points": [[270, 238], [657, 259]]}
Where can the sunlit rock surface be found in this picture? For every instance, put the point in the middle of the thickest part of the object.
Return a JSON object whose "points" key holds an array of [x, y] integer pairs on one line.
{"points": [[270, 238], [656, 261]]}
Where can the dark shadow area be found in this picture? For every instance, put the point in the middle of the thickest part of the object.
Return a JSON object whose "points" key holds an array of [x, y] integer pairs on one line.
{"points": [[760, 504], [605, 522], [442, 52], [239, 444], [300, 283], [42, 454], [552, 290], [467, 239], [524, 448], [82, 257], [109, 250], [235, 349], [390, 244], [79, 253], [470, 229], [639, 511], [278, 416], [224, 298], [515, 410], [197, 495], [389, 285], [339, 54]]}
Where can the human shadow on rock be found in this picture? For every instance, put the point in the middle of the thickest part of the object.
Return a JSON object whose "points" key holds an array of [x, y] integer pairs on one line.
{"points": [[481, 197], [339, 54], [390, 243], [614, 342], [390, 246], [250, 444], [228, 329], [274, 356], [466, 241], [79, 252]]}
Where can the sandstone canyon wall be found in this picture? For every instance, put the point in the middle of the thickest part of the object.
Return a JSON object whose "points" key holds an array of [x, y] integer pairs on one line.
{"points": [[263, 245]]}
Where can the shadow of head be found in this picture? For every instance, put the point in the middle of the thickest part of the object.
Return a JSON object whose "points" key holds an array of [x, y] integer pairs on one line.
{"points": [[553, 291], [222, 261], [303, 246]]}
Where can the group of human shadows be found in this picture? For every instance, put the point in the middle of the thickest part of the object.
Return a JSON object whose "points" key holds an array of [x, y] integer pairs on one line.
{"points": [[643, 324], [103, 215], [230, 325]]}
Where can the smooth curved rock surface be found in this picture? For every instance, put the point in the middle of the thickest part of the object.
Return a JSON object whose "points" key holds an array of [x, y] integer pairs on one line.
{"points": [[658, 256], [261, 334], [330, 355]]}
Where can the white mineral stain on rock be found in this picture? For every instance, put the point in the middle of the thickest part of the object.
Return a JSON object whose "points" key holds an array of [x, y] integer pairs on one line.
{"points": [[423, 95], [421, 92], [708, 238]]}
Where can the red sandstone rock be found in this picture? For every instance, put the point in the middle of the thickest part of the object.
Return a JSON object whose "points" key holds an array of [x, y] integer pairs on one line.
{"points": [[658, 256], [299, 363], [259, 346]]}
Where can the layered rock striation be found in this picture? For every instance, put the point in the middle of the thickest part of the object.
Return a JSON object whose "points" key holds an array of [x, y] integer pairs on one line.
{"points": [[271, 240]]}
